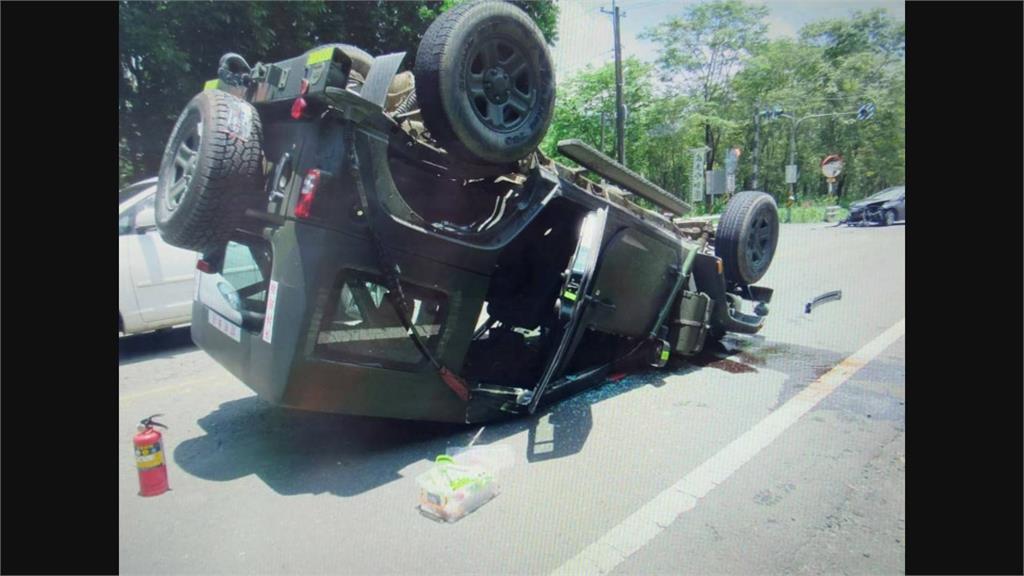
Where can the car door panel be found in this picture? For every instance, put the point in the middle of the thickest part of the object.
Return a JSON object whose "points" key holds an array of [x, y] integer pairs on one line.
{"points": [[127, 303], [163, 277]]}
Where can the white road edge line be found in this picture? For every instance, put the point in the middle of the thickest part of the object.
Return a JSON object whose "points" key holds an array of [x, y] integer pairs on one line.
{"points": [[642, 526]]}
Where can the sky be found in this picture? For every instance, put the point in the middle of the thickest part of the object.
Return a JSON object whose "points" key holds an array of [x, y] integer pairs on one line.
{"points": [[585, 33]]}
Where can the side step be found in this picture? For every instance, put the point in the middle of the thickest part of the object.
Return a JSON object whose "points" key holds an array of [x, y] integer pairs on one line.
{"points": [[593, 159]]}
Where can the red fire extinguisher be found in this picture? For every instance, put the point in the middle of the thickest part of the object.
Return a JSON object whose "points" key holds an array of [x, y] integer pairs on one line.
{"points": [[149, 458]]}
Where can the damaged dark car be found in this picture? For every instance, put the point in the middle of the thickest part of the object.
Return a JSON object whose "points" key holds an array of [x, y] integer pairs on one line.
{"points": [[886, 208], [394, 244]]}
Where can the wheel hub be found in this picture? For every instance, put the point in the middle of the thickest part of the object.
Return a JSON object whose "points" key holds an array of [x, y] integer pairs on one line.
{"points": [[183, 169], [500, 83], [497, 85], [758, 241]]}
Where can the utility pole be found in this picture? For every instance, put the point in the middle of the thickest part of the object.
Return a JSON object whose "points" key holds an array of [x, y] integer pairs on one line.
{"points": [[757, 140], [620, 107]]}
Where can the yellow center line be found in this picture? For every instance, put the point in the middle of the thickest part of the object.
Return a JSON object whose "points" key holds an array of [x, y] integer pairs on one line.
{"points": [[194, 382]]}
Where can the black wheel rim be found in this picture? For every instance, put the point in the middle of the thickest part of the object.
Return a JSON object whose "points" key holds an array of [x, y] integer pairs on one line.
{"points": [[759, 242], [186, 159], [501, 84]]}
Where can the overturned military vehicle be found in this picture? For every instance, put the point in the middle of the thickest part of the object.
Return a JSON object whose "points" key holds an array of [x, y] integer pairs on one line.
{"points": [[394, 244]]}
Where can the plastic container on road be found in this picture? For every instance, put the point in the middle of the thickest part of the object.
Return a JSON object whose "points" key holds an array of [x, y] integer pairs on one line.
{"points": [[462, 480]]}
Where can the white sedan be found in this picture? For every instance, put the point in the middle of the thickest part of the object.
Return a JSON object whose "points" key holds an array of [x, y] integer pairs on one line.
{"points": [[155, 281]]}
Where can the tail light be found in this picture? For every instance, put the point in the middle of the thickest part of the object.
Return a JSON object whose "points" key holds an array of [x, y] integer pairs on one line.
{"points": [[204, 266], [309, 187], [299, 105]]}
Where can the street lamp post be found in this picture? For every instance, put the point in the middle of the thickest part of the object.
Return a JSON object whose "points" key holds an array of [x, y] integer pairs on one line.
{"points": [[865, 112], [794, 124]]}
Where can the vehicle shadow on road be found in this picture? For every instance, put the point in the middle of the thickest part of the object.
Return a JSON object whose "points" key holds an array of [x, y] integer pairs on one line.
{"points": [[298, 452], [142, 347]]}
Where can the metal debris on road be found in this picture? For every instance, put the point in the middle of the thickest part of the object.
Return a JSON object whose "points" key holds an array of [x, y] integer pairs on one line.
{"points": [[819, 300]]}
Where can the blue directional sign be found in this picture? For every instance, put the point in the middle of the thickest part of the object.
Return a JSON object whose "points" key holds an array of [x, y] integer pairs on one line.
{"points": [[866, 112]]}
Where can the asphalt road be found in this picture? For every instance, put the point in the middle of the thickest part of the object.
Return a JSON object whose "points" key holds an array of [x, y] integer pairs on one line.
{"points": [[776, 453]]}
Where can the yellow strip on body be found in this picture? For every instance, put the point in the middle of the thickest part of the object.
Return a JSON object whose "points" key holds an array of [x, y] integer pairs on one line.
{"points": [[321, 55], [569, 296], [211, 84]]}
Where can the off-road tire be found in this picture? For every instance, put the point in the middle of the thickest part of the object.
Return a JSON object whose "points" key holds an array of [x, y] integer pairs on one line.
{"points": [[224, 172], [747, 236], [473, 107]]}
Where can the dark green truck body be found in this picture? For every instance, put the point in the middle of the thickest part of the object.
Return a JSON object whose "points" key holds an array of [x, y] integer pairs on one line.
{"points": [[313, 328]]}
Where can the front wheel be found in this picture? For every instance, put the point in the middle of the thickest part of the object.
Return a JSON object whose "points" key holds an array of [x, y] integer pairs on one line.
{"points": [[890, 217]]}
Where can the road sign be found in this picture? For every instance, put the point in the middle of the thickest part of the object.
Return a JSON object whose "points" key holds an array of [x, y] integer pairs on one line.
{"points": [[866, 112], [790, 173], [832, 166], [697, 175], [716, 182]]}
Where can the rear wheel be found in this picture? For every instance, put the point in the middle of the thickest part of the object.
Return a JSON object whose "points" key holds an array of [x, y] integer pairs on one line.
{"points": [[485, 82], [210, 172], [747, 236]]}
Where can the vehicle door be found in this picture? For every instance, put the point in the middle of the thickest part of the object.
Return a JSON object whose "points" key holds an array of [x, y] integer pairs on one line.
{"points": [[163, 275], [635, 275]]}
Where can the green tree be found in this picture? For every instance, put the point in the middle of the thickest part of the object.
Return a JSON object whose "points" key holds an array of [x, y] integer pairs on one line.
{"points": [[864, 61], [658, 129], [834, 67], [700, 53], [781, 73]]}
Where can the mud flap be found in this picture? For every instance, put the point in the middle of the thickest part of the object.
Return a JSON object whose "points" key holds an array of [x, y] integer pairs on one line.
{"points": [[383, 71]]}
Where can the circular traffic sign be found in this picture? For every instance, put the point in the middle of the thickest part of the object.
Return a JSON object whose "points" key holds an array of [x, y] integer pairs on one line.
{"points": [[832, 165]]}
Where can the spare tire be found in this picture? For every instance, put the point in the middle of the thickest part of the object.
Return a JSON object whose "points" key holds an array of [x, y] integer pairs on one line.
{"points": [[485, 83], [747, 236], [210, 173]]}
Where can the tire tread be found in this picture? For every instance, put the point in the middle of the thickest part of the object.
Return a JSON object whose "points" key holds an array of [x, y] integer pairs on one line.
{"points": [[225, 184]]}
